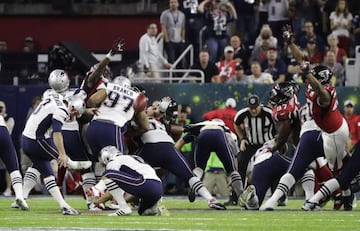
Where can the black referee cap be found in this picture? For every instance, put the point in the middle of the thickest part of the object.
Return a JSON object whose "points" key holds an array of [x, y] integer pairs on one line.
{"points": [[253, 101]]}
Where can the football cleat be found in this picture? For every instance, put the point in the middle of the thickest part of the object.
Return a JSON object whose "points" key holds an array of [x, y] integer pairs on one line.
{"points": [[95, 208], [233, 200], [245, 196], [348, 201], [77, 165], [113, 206], [266, 208], [21, 203], [192, 195], [310, 206], [14, 205], [214, 204], [337, 203], [7, 193], [163, 211], [122, 212], [282, 201], [69, 211], [153, 211], [269, 205]]}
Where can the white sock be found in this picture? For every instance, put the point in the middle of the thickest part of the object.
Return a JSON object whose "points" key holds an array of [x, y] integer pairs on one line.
{"points": [[198, 172], [199, 187], [308, 183], [326, 190], [88, 180], [31, 178], [16, 181], [346, 192], [236, 183], [116, 192], [54, 191], [283, 187]]}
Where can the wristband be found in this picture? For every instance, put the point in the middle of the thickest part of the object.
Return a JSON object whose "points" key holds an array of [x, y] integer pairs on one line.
{"points": [[108, 55]]}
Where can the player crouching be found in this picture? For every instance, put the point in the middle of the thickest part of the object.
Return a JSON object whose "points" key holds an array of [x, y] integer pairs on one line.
{"points": [[127, 173]]}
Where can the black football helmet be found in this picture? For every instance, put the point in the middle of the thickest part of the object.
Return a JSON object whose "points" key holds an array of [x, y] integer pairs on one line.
{"points": [[322, 73], [281, 93]]}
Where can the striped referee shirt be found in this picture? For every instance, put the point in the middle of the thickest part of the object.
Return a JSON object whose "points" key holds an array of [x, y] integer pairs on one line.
{"points": [[258, 129]]}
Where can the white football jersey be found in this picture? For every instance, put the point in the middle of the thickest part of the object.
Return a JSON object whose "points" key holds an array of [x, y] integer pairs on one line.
{"points": [[134, 163], [39, 123], [117, 108], [307, 122], [71, 124], [2, 121], [157, 133]]}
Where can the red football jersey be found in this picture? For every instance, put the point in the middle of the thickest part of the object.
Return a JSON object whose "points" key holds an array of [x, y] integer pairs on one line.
{"points": [[329, 119], [226, 70], [288, 111], [354, 127], [225, 114]]}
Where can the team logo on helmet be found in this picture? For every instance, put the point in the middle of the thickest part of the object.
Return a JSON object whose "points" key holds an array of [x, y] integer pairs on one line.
{"points": [[322, 73], [281, 93]]}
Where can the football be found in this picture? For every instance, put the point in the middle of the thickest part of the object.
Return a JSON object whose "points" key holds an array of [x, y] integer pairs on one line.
{"points": [[140, 103]]}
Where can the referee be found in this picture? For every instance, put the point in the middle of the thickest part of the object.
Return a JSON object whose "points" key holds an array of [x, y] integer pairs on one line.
{"points": [[254, 126]]}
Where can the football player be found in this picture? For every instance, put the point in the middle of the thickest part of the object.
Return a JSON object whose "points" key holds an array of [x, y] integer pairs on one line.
{"points": [[342, 181], [99, 74], [158, 150], [323, 104], [73, 143], [277, 153], [9, 157], [41, 148], [120, 103], [310, 148], [213, 136], [126, 173]]}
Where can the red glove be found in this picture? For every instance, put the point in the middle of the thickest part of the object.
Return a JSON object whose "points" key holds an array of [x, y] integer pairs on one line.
{"points": [[288, 36], [118, 46]]}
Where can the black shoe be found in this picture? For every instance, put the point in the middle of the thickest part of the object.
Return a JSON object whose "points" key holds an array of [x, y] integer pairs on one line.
{"points": [[347, 201], [282, 201], [214, 204], [233, 200], [191, 196]]}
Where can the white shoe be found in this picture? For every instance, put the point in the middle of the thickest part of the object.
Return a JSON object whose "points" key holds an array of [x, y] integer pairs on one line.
{"points": [[267, 206], [153, 211], [14, 205], [354, 204], [7, 193], [76, 165], [94, 208], [162, 209], [245, 196], [122, 212], [214, 204], [113, 206], [69, 211], [21, 203], [310, 206]]}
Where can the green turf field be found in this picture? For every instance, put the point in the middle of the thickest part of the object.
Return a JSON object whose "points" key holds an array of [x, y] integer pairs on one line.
{"points": [[183, 216]]}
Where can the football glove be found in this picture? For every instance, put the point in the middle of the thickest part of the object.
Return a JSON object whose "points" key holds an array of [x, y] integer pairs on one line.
{"points": [[118, 46]]}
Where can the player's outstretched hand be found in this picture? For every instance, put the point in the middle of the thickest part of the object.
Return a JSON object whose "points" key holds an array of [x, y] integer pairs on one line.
{"points": [[164, 104], [305, 67], [288, 35], [118, 46]]}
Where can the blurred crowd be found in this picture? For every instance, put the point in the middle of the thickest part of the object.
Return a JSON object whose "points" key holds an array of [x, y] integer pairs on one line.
{"points": [[241, 41]]}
